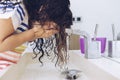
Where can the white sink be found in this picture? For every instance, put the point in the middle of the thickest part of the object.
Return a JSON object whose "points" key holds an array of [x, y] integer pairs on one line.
{"points": [[48, 71], [30, 69]]}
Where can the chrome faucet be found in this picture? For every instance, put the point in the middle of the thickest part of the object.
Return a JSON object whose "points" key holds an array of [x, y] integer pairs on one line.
{"points": [[92, 47]]}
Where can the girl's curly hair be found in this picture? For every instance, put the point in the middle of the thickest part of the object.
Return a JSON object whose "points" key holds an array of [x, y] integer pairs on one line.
{"points": [[57, 11]]}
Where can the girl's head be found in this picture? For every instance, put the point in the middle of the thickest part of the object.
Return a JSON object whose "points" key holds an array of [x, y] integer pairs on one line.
{"points": [[49, 10], [58, 12]]}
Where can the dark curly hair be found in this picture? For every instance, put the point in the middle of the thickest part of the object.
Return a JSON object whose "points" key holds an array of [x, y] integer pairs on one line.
{"points": [[57, 11]]}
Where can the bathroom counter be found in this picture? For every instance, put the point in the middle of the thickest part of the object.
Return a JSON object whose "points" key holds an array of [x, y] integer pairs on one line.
{"points": [[92, 69], [109, 65]]}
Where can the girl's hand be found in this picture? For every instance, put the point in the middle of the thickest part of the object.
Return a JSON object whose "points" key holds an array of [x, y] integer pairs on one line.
{"points": [[44, 31]]}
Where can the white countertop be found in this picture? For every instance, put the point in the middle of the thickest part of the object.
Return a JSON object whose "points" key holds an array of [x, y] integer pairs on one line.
{"points": [[110, 65], [103, 63]]}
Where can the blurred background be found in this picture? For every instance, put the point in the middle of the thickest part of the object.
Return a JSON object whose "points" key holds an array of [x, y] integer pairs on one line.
{"points": [[92, 12]]}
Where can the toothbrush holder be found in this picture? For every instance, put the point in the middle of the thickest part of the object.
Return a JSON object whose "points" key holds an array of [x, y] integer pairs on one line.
{"points": [[102, 42]]}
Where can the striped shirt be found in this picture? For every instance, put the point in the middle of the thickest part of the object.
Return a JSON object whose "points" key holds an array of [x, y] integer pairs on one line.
{"points": [[19, 18], [18, 15]]}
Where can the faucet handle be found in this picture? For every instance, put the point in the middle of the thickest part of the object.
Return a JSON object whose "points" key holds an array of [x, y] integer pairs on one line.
{"points": [[68, 31]]}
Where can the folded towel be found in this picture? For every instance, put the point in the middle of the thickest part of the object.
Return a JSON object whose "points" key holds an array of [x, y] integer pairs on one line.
{"points": [[8, 58]]}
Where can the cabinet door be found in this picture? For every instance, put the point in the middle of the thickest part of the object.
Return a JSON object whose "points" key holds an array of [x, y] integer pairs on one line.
{"points": [[74, 42]]}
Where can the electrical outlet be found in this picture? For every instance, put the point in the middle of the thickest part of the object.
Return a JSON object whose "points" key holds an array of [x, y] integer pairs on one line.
{"points": [[76, 19]]}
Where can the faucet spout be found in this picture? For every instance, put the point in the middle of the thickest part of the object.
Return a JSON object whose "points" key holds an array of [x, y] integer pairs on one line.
{"points": [[81, 33], [88, 43], [86, 39]]}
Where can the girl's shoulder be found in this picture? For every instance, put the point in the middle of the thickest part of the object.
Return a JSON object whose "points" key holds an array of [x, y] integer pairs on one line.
{"points": [[9, 9], [16, 12]]}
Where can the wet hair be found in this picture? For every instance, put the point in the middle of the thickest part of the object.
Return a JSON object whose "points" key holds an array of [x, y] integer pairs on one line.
{"points": [[57, 11]]}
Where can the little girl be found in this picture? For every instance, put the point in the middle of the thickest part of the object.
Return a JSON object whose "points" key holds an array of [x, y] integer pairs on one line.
{"points": [[33, 21]]}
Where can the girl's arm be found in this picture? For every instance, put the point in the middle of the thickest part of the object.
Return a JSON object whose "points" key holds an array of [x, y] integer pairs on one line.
{"points": [[9, 40]]}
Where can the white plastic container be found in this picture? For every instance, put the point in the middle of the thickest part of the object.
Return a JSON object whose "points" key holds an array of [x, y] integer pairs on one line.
{"points": [[94, 50], [114, 49]]}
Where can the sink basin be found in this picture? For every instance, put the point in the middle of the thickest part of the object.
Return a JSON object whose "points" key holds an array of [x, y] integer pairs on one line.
{"points": [[31, 69], [34, 71]]}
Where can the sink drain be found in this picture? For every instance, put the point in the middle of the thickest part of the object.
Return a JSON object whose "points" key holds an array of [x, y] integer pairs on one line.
{"points": [[71, 74]]}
